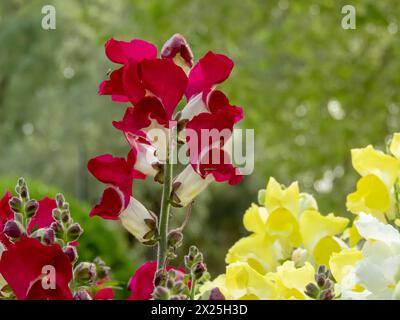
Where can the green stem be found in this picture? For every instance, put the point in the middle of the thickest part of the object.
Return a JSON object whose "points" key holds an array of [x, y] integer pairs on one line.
{"points": [[193, 289], [165, 207]]}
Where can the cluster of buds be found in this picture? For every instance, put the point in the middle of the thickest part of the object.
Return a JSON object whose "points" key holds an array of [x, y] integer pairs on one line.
{"points": [[63, 229], [89, 278], [24, 209], [197, 269], [170, 285], [324, 287]]}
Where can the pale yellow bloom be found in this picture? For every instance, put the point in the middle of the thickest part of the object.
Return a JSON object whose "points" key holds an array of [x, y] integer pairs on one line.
{"points": [[318, 233], [277, 197]]}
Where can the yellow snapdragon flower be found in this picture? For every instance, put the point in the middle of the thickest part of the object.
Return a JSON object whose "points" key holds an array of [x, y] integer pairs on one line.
{"points": [[379, 172]]}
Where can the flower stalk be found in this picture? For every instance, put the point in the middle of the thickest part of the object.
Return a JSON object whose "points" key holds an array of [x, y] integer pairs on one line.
{"points": [[165, 203]]}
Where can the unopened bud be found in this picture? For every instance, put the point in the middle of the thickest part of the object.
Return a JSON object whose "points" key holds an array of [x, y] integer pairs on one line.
{"points": [[199, 270], [31, 208], [85, 272], [49, 236], [74, 231], [326, 294], [12, 229], [161, 293], [23, 192], [177, 48], [57, 227], [82, 294], [71, 252], [216, 294], [175, 238], [160, 278], [299, 257], [60, 200], [65, 216], [312, 290], [56, 214], [320, 279], [15, 204]]}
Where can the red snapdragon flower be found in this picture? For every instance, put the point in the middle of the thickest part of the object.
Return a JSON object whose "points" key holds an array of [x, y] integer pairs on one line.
{"points": [[142, 282], [117, 202], [21, 266]]}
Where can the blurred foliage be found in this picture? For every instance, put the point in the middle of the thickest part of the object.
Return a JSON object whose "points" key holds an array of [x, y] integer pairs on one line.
{"points": [[310, 89]]}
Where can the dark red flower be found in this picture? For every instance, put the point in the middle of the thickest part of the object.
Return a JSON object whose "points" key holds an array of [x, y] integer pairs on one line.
{"points": [[142, 282], [21, 265]]}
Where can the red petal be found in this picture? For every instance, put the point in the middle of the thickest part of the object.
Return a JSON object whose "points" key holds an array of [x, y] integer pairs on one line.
{"points": [[123, 51], [133, 87], [139, 117], [165, 80], [222, 169], [211, 70], [21, 266], [112, 170], [219, 102], [44, 216], [142, 282], [5, 211], [114, 86], [110, 205]]}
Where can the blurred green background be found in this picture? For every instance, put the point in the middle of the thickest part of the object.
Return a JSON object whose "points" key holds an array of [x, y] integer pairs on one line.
{"points": [[310, 89]]}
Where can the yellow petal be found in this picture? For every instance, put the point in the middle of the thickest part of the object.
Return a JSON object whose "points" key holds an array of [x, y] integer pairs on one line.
{"points": [[278, 197], [282, 223], [254, 219], [324, 249], [354, 236], [368, 161], [395, 145], [372, 196], [257, 250], [314, 227], [243, 282], [343, 262]]}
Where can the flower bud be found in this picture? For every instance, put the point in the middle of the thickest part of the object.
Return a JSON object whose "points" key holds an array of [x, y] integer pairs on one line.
{"points": [[178, 49], [161, 293], [56, 214], [85, 272], [49, 236], [60, 200], [74, 231], [175, 238], [23, 192], [199, 270], [312, 290], [12, 229], [139, 221], [299, 257], [15, 204], [160, 277], [320, 279], [31, 208], [326, 294], [71, 252], [65, 216], [82, 294], [57, 227], [216, 294]]}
